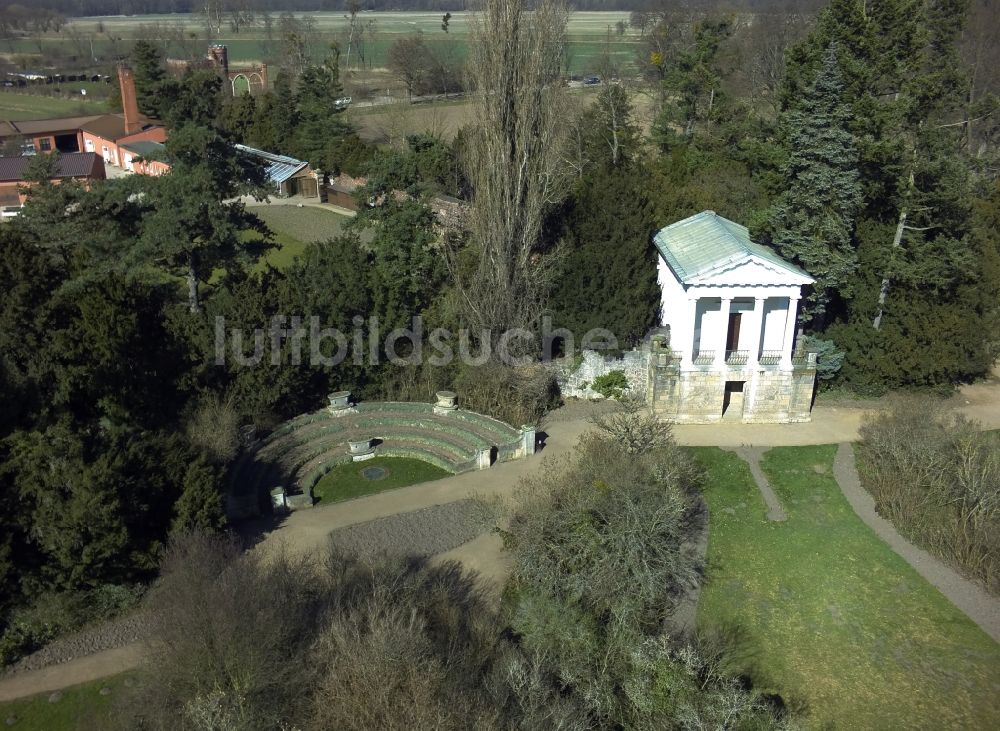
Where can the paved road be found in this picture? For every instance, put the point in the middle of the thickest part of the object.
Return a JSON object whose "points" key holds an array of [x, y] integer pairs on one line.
{"points": [[308, 530]]}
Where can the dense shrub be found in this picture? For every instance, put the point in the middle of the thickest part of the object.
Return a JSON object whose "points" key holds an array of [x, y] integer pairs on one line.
{"points": [[52, 614], [611, 384], [936, 476]]}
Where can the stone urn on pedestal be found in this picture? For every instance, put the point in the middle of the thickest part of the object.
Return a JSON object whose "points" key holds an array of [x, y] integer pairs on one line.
{"points": [[361, 449], [447, 401], [340, 402]]}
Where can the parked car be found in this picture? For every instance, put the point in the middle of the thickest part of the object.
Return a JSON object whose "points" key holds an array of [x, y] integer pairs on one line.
{"points": [[343, 102], [10, 211]]}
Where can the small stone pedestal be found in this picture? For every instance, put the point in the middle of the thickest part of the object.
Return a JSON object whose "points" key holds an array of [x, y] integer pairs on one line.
{"points": [[484, 458], [279, 504], [340, 403], [361, 450], [528, 438], [447, 402]]}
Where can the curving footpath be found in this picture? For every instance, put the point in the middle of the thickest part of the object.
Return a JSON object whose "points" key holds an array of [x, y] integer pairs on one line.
{"points": [[968, 596], [310, 529]]}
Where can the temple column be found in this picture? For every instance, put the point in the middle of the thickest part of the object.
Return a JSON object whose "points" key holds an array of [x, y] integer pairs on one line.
{"points": [[723, 332], [685, 337], [788, 344], [756, 329]]}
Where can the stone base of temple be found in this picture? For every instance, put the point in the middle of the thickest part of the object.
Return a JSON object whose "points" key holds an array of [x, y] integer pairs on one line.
{"points": [[707, 395]]}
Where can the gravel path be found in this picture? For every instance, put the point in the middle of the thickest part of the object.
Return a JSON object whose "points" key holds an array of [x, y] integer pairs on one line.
{"points": [[98, 638], [967, 595], [752, 456], [423, 532]]}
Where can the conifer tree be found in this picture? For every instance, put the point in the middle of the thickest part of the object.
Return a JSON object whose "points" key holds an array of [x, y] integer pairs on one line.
{"points": [[149, 77], [608, 276], [812, 222]]}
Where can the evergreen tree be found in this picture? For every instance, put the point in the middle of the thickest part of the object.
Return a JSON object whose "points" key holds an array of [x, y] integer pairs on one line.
{"points": [[608, 276], [692, 83], [276, 118], [321, 125], [149, 77], [913, 316], [812, 222], [197, 222]]}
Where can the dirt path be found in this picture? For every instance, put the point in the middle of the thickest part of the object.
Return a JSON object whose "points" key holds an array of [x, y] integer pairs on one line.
{"points": [[81, 670], [968, 596], [309, 530]]}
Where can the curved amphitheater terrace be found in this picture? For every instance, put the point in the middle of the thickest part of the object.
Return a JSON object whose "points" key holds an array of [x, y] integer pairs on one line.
{"points": [[309, 530]]}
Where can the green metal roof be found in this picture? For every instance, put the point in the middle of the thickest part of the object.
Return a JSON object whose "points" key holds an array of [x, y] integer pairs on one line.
{"points": [[145, 147], [706, 242]]}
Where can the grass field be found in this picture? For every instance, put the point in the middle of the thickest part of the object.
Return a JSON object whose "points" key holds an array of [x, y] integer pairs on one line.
{"points": [[346, 481], [295, 228], [81, 708], [17, 106], [827, 616]]}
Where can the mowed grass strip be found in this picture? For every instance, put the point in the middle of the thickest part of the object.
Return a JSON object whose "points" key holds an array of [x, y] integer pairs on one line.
{"points": [[346, 481], [827, 616]]}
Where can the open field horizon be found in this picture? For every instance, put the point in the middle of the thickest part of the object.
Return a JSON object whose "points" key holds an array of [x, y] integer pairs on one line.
{"points": [[591, 36]]}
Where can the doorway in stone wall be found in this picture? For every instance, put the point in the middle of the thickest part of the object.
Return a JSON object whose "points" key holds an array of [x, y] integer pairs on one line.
{"points": [[732, 401]]}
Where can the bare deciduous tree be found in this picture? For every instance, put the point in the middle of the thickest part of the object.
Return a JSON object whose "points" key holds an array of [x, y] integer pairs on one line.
{"points": [[515, 161]]}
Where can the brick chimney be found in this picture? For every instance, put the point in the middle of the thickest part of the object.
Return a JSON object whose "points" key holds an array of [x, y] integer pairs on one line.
{"points": [[130, 105]]}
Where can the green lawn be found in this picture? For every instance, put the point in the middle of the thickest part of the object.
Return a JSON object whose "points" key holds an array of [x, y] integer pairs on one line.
{"points": [[81, 708], [827, 616], [295, 228], [345, 481], [16, 107]]}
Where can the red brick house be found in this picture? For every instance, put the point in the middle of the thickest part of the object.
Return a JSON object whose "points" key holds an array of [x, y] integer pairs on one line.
{"points": [[106, 134], [103, 134], [141, 157]]}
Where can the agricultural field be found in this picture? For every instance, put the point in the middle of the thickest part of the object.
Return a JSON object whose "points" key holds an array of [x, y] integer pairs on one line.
{"points": [[823, 613], [591, 35], [18, 106]]}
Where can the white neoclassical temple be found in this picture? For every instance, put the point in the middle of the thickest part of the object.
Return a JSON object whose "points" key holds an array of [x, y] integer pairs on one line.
{"points": [[731, 307]]}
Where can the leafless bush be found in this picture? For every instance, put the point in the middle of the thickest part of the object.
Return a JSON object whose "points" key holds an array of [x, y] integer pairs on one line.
{"points": [[621, 520], [412, 654], [635, 427], [514, 395], [214, 428], [229, 638], [936, 475]]}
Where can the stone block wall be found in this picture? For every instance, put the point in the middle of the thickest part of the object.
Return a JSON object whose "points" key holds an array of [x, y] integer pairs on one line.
{"points": [[577, 381], [696, 396]]}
